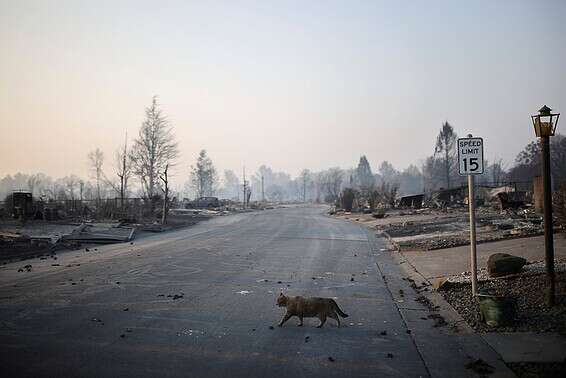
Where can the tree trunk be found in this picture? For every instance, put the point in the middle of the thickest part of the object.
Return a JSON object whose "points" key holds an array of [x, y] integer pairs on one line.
{"points": [[447, 169], [165, 199], [165, 194]]}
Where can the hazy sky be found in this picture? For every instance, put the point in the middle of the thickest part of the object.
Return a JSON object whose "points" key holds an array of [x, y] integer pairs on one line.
{"points": [[290, 84]]}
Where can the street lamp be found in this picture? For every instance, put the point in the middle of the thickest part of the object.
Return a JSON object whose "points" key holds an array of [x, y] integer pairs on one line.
{"points": [[545, 125]]}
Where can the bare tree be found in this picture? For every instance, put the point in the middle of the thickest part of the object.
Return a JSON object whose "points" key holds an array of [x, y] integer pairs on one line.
{"points": [[446, 142], [71, 183], [154, 149], [528, 164], [81, 189], [123, 171], [332, 182], [433, 174], [231, 184], [96, 160], [497, 171], [34, 181]]}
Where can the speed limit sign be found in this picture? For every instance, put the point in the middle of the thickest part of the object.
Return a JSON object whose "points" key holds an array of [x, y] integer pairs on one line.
{"points": [[470, 156], [470, 162]]}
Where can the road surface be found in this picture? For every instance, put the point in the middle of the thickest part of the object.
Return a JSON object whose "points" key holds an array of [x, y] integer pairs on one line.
{"points": [[201, 302]]}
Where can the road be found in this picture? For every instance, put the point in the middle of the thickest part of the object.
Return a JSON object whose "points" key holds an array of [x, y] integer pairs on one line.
{"points": [[201, 302]]}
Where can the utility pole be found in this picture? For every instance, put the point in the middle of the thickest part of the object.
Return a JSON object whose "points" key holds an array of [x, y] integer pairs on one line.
{"points": [[304, 188], [262, 190], [244, 198]]}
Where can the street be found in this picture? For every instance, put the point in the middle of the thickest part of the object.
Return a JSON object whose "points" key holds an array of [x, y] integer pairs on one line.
{"points": [[201, 302]]}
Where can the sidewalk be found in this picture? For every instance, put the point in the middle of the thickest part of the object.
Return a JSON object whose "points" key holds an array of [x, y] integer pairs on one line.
{"points": [[453, 261], [448, 350], [514, 347]]}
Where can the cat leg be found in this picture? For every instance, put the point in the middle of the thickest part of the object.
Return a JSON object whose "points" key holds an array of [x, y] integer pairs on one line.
{"points": [[300, 321], [335, 317], [322, 318], [285, 318]]}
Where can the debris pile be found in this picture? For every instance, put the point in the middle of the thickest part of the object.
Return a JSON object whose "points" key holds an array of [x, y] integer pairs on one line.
{"points": [[90, 234], [451, 228]]}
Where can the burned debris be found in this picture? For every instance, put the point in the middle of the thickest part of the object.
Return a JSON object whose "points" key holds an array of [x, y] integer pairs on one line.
{"points": [[38, 227]]}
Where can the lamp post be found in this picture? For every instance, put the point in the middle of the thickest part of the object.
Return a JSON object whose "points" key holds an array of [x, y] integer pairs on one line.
{"points": [[545, 124]]}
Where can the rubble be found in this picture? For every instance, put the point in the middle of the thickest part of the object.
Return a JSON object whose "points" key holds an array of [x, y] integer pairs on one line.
{"points": [[26, 268], [87, 233], [57, 227], [451, 229], [413, 201]]}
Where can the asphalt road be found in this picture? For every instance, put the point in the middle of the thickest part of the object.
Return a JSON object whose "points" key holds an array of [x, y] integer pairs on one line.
{"points": [[201, 302]]}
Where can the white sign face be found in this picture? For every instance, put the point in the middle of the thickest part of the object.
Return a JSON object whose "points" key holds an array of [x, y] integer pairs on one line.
{"points": [[470, 156]]}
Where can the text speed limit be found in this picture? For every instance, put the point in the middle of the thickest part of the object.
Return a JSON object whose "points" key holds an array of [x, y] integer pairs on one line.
{"points": [[470, 156]]}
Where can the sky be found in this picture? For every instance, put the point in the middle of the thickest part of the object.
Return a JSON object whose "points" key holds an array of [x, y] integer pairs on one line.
{"points": [[290, 84]]}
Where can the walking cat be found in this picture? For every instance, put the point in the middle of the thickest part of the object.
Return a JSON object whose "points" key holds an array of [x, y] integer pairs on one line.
{"points": [[310, 307]]}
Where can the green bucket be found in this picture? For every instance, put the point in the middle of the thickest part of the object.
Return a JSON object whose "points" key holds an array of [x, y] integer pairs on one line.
{"points": [[496, 311]]}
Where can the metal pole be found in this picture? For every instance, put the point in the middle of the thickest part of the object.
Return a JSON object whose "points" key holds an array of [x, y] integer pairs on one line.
{"points": [[548, 236], [244, 199], [262, 191], [473, 256], [304, 188]]}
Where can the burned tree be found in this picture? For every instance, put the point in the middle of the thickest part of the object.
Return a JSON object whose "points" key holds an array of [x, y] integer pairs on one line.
{"points": [[364, 175], [332, 182], [123, 171], [203, 176], [560, 206], [347, 198], [71, 183], [446, 148], [305, 180], [165, 188], [153, 149], [34, 181], [96, 159], [496, 171], [528, 164], [231, 185]]}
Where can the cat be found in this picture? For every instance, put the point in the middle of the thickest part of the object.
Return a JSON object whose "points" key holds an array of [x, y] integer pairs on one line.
{"points": [[310, 307]]}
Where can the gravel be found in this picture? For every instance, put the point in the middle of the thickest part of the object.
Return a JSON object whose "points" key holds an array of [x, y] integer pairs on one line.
{"points": [[527, 289]]}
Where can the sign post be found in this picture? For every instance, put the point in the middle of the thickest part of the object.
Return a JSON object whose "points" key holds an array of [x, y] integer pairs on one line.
{"points": [[470, 162]]}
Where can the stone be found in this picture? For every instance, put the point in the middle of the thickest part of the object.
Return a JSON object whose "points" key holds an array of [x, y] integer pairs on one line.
{"points": [[438, 283], [502, 264]]}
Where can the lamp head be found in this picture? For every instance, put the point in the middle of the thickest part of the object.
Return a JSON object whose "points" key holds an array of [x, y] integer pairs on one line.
{"points": [[545, 122]]}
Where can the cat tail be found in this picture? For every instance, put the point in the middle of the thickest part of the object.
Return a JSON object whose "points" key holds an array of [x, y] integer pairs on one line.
{"points": [[338, 310]]}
